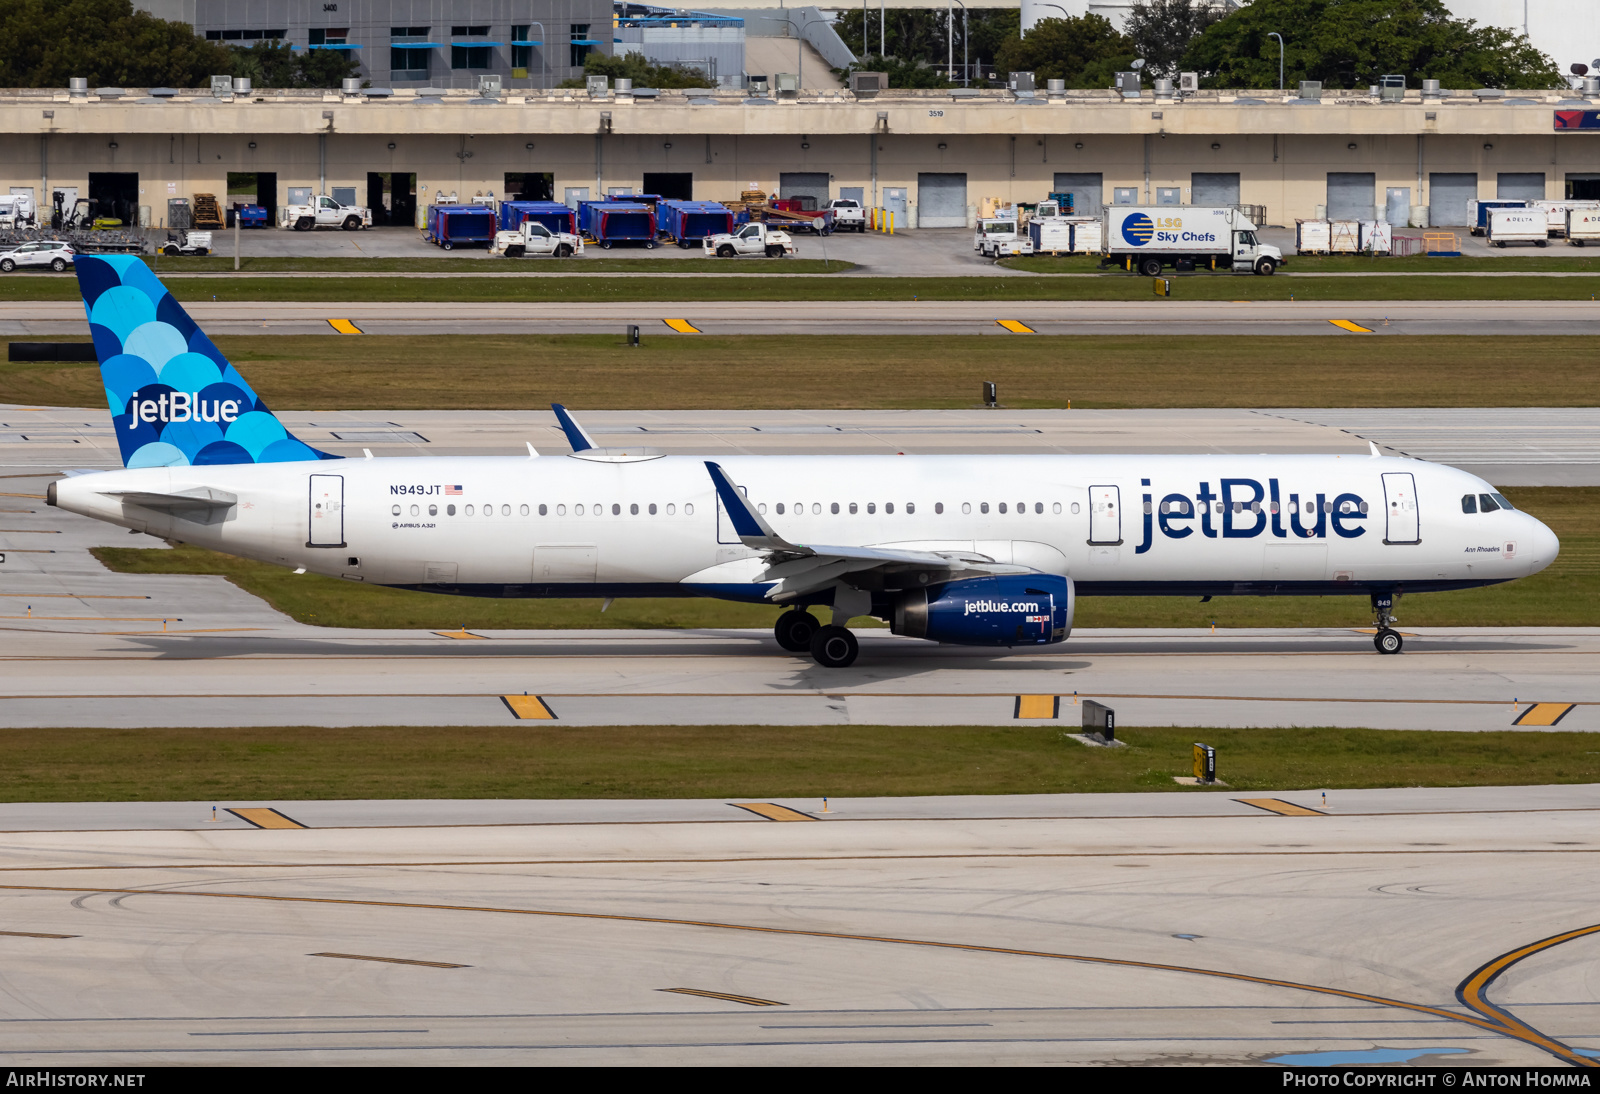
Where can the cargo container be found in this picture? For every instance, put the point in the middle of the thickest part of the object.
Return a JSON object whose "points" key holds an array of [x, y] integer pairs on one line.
{"points": [[1583, 225], [1478, 210], [552, 214], [688, 222], [452, 226], [1147, 238], [1344, 237], [1518, 226], [1312, 237], [1377, 237], [1088, 234], [1050, 235], [612, 222], [1556, 213]]}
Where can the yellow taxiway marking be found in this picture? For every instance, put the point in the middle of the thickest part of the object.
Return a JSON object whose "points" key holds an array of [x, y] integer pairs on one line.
{"points": [[1282, 808], [393, 960], [1543, 714], [38, 496], [1355, 328], [36, 934], [266, 818], [748, 1000], [682, 326], [1015, 327], [773, 812], [462, 633], [529, 708], [1485, 1016], [344, 326], [1037, 706]]}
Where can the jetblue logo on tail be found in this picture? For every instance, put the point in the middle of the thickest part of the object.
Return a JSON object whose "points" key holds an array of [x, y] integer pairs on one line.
{"points": [[174, 398]]}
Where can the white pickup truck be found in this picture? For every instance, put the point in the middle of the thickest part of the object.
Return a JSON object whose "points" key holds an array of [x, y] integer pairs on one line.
{"points": [[324, 212], [848, 215], [534, 238], [999, 238], [752, 239]]}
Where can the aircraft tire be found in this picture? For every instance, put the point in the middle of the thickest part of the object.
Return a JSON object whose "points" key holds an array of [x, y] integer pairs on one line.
{"points": [[1388, 641], [794, 630], [834, 647]]}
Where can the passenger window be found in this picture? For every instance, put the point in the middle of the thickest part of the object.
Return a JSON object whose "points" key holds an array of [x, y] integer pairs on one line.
{"points": [[983, 507], [577, 510], [911, 507], [852, 509], [1002, 507], [966, 507], [888, 507], [672, 509], [653, 508], [780, 508], [834, 508], [524, 510], [1486, 503], [1327, 507], [599, 510], [761, 507], [413, 510], [1363, 507], [816, 508], [1469, 503], [872, 507], [1074, 508], [1038, 507], [450, 510], [468, 510], [1057, 508], [938, 508], [616, 510], [633, 509], [1147, 507], [396, 510], [505, 510], [488, 510], [433, 510], [561, 510], [688, 509], [1500, 500]]}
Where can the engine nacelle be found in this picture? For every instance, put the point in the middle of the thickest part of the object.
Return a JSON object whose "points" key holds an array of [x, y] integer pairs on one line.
{"points": [[1019, 610]]}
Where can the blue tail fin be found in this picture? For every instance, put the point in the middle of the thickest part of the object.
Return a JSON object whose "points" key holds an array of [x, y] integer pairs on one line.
{"points": [[175, 400]]}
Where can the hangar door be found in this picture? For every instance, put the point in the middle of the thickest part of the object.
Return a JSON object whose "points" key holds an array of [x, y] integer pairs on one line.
{"points": [[1352, 195], [1448, 194], [1520, 185], [942, 201], [1087, 190], [1214, 188], [804, 184]]}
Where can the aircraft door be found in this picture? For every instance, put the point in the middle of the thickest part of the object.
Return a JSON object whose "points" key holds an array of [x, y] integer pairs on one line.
{"points": [[326, 508], [1105, 515], [1400, 508]]}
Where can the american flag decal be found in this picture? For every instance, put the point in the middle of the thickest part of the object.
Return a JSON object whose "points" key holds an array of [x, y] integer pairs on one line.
{"points": [[452, 489]]}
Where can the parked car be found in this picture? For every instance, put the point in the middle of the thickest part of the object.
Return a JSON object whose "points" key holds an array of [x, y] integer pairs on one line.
{"points": [[53, 253]]}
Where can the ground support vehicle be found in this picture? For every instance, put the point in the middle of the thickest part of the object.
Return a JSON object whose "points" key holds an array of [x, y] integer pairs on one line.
{"points": [[250, 216], [751, 239], [552, 214], [187, 242], [1312, 237], [1478, 210], [686, 223], [52, 254], [452, 226], [1583, 226], [1518, 226], [611, 222], [1344, 237], [1556, 213], [533, 238], [998, 237], [1088, 235], [848, 215], [1377, 237], [1147, 238], [792, 219], [16, 211], [324, 212]]}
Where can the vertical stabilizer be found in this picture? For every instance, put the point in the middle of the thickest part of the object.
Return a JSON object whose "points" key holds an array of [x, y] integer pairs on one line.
{"points": [[174, 398]]}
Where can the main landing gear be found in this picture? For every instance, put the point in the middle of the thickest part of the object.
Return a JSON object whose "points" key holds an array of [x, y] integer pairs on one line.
{"points": [[833, 647], [1387, 640]]}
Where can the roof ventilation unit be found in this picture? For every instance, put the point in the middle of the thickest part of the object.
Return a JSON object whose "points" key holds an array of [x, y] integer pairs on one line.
{"points": [[867, 84]]}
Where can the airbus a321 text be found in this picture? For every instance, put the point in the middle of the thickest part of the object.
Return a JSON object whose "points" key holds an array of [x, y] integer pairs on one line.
{"points": [[982, 550]]}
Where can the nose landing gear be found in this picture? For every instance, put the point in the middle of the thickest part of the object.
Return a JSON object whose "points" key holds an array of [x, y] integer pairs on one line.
{"points": [[1387, 640]]}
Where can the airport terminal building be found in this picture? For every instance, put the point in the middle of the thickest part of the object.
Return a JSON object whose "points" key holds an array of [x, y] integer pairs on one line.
{"points": [[932, 157]]}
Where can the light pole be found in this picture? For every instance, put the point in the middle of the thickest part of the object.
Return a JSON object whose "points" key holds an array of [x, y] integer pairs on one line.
{"points": [[544, 64], [800, 53], [951, 39], [1279, 37]]}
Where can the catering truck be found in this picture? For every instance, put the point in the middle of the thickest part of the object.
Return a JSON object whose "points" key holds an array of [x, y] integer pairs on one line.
{"points": [[1148, 238]]}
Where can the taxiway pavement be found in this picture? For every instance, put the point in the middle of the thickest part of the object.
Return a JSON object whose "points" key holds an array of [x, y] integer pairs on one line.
{"points": [[1431, 927]]}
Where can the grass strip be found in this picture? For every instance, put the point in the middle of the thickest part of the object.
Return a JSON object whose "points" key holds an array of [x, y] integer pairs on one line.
{"points": [[467, 266], [672, 372], [579, 289], [1577, 262], [1563, 595], [743, 762]]}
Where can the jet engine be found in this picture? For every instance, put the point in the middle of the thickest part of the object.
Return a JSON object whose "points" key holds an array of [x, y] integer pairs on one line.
{"points": [[1009, 610]]}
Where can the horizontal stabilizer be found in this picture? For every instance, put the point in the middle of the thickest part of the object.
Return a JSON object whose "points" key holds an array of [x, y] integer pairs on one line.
{"points": [[200, 499]]}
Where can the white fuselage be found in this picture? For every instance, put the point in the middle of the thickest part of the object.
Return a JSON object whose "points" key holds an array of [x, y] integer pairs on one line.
{"points": [[581, 525]]}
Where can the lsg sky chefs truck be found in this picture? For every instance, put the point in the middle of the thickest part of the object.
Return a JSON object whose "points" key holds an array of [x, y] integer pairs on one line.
{"points": [[1148, 238]]}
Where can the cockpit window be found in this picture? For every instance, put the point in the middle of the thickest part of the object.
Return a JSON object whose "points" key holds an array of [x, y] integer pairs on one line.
{"points": [[1486, 502], [1501, 500], [1469, 503]]}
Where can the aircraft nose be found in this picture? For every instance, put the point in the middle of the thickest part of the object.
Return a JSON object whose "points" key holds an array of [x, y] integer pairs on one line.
{"points": [[1542, 545]]}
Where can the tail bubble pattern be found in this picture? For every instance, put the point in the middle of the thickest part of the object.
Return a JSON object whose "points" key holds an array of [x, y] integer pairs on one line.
{"points": [[175, 399]]}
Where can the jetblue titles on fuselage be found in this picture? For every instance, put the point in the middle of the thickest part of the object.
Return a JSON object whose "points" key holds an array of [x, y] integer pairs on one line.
{"points": [[1243, 509]]}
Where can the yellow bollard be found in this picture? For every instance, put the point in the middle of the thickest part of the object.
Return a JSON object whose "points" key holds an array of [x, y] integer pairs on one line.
{"points": [[891, 222]]}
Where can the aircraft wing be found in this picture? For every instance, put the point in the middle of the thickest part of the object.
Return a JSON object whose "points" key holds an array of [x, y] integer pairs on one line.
{"points": [[799, 568]]}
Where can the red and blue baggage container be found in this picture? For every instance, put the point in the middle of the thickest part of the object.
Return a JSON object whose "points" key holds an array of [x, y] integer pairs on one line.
{"points": [[452, 226], [612, 222], [552, 214], [689, 222]]}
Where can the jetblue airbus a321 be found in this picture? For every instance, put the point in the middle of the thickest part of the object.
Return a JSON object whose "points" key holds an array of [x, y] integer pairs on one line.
{"points": [[987, 550]]}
